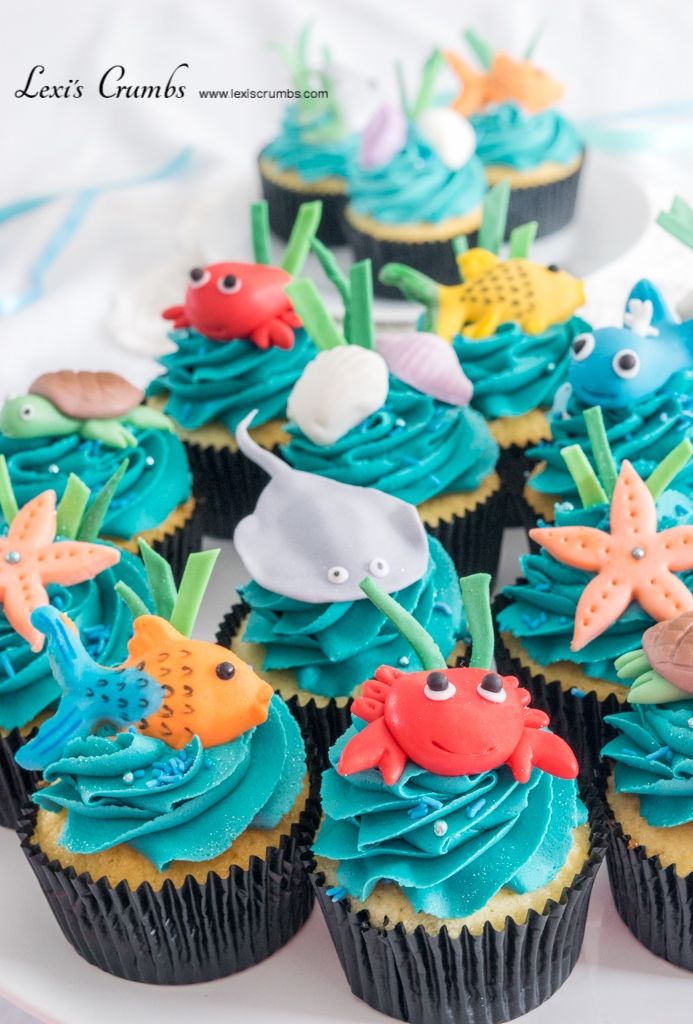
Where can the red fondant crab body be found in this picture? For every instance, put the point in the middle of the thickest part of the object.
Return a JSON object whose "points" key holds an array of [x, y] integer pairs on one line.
{"points": [[225, 301], [462, 735]]}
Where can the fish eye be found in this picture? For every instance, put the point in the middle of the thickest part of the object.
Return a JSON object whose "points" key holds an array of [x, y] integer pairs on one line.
{"points": [[337, 574], [27, 412], [582, 347], [229, 284], [553, 267], [438, 686], [491, 688], [626, 363], [379, 567], [199, 277], [225, 670]]}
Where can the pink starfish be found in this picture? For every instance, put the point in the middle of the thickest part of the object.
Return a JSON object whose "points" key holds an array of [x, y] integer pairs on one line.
{"points": [[31, 558], [633, 562]]}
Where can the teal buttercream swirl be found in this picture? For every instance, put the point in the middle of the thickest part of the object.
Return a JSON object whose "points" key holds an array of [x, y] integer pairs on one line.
{"points": [[644, 434], [156, 481], [413, 447], [508, 135], [333, 648], [513, 372], [308, 146], [542, 610], [27, 685], [172, 805], [415, 186], [654, 759], [209, 381], [499, 833]]}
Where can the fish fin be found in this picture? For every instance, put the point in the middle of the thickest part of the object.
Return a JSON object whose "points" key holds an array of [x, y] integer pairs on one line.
{"points": [[651, 688], [646, 291], [534, 323], [475, 262], [470, 97], [373, 747], [485, 326], [150, 632], [450, 313], [50, 741]]}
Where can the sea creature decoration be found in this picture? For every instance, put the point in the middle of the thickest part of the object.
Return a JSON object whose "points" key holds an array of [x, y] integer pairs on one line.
{"points": [[235, 301], [662, 671], [459, 721], [312, 539], [617, 366], [99, 406]]}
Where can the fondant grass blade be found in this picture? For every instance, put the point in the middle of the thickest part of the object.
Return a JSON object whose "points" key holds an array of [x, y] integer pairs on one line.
{"points": [[521, 240], [415, 287], [132, 600], [94, 517], [460, 245], [316, 320], [482, 49], [495, 216], [259, 223], [431, 71], [585, 479], [302, 234], [334, 274], [423, 645], [670, 466], [161, 582], [361, 328], [402, 88], [534, 41], [198, 570], [71, 508], [476, 597], [8, 501], [601, 449], [678, 221]]}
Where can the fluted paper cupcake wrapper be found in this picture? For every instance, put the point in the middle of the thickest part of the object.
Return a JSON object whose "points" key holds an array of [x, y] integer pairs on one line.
{"points": [[552, 205], [283, 206], [181, 542], [182, 935], [514, 466], [227, 484], [16, 785], [473, 979], [474, 540]]}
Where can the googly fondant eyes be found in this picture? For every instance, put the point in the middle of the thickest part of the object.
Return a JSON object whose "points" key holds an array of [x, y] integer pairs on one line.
{"points": [[626, 363], [491, 688], [26, 412], [199, 277], [582, 347], [438, 686], [225, 670], [229, 284], [379, 567], [337, 574]]}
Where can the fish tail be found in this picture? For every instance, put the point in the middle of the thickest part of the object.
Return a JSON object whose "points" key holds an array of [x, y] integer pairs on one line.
{"points": [[64, 645], [50, 740]]}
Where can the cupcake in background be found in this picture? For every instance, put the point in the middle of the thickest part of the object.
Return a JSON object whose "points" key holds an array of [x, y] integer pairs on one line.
{"points": [[454, 845], [520, 138], [239, 346], [175, 789], [415, 185], [309, 158], [392, 412]]}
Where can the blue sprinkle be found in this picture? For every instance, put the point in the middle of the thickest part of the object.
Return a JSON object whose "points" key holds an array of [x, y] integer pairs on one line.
{"points": [[419, 811], [7, 666], [435, 479], [577, 692], [151, 783], [542, 587], [665, 753], [139, 773], [58, 601], [336, 893], [441, 606], [476, 807]]}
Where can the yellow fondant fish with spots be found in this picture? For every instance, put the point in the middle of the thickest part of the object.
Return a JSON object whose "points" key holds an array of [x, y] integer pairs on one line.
{"points": [[493, 292]]}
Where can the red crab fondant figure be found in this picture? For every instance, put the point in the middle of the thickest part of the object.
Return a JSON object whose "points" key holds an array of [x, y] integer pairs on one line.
{"points": [[225, 301], [452, 722]]}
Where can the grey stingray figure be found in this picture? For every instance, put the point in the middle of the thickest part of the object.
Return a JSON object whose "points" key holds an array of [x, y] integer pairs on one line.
{"points": [[314, 539]]}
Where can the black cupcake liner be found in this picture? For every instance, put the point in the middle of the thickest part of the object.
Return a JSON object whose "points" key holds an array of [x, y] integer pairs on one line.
{"points": [[16, 784], [552, 205], [514, 466], [655, 903], [176, 546], [181, 936], [227, 486], [474, 539], [472, 979], [283, 205]]}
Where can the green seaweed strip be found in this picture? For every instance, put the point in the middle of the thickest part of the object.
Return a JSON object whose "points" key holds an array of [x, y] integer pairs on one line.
{"points": [[302, 233], [333, 273], [482, 49], [402, 88], [534, 41], [431, 71], [601, 449], [94, 516], [316, 320], [72, 506], [131, 599], [521, 239], [8, 501], [361, 328], [678, 221], [585, 479], [476, 591], [161, 582], [198, 570], [422, 644], [662, 475], [492, 230], [259, 222]]}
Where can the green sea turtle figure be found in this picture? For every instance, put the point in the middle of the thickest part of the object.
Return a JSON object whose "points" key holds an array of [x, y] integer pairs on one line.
{"points": [[99, 406]]}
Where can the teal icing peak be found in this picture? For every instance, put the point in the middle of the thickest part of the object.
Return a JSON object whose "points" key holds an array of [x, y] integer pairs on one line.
{"points": [[113, 794], [499, 833], [508, 135], [297, 148]]}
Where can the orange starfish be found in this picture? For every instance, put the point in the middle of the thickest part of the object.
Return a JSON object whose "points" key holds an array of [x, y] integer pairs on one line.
{"points": [[633, 562], [31, 558]]}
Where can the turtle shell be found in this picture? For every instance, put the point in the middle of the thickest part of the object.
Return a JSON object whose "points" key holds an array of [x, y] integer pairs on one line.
{"points": [[668, 647], [88, 395]]}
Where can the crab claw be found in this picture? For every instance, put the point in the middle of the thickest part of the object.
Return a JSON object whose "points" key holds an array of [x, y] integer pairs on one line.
{"points": [[373, 747], [543, 750], [176, 313]]}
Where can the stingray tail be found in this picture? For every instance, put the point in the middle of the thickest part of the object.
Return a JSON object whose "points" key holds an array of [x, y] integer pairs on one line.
{"points": [[49, 743], [255, 452]]}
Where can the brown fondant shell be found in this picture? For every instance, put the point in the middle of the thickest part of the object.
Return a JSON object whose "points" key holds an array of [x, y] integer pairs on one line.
{"points": [[88, 395], [668, 647]]}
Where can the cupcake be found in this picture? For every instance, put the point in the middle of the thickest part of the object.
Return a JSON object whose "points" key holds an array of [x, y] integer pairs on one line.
{"points": [[168, 834], [309, 158], [86, 424], [520, 138], [642, 377], [239, 345], [392, 412], [604, 574], [304, 623], [454, 845], [52, 555], [414, 186]]}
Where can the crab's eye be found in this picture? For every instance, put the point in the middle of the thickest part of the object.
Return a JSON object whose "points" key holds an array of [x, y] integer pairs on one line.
{"points": [[199, 277], [229, 284], [337, 574], [582, 347], [438, 686], [491, 688], [379, 567], [27, 412], [626, 363], [225, 670], [553, 267]]}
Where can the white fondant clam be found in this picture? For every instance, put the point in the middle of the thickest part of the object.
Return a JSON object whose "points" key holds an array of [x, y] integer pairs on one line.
{"points": [[428, 363], [449, 134], [337, 391]]}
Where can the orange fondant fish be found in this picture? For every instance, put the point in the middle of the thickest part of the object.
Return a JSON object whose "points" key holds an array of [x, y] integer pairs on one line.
{"points": [[507, 79]]}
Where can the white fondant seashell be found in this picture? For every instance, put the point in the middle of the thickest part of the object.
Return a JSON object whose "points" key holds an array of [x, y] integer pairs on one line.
{"points": [[449, 134], [337, 391], [428, 363], [384, 135]]}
